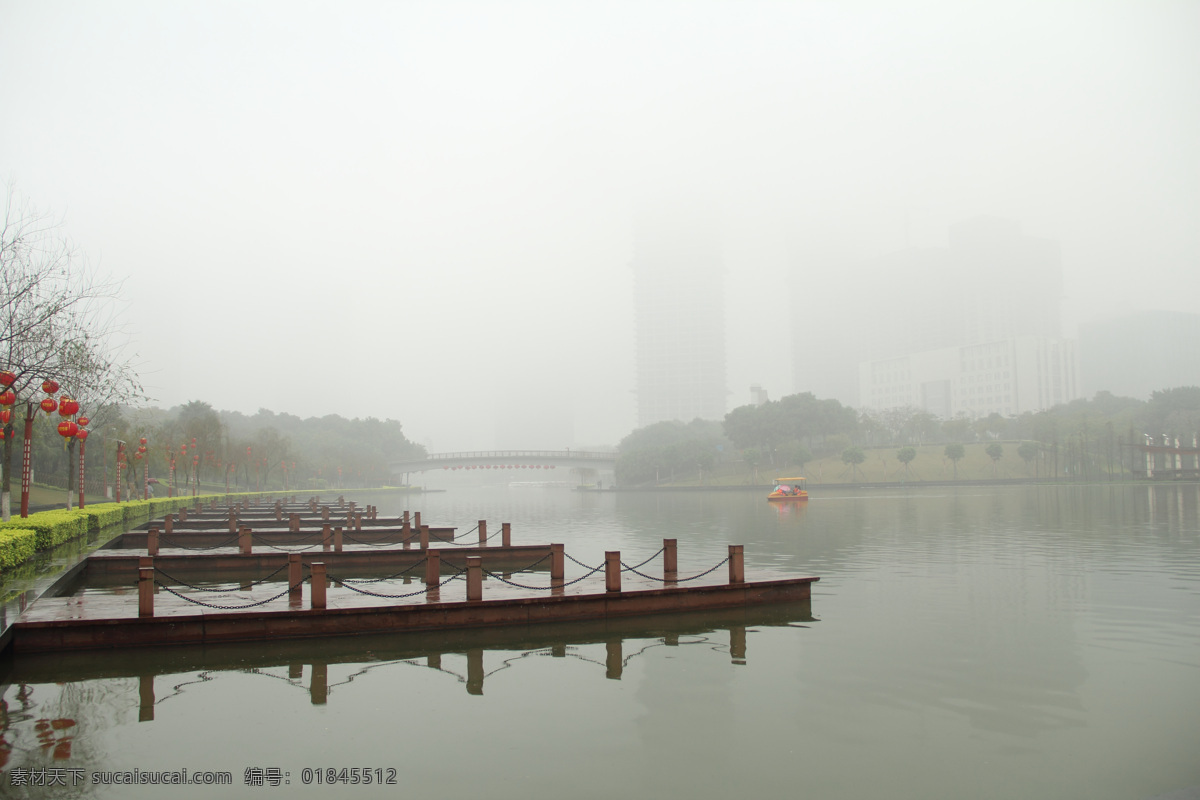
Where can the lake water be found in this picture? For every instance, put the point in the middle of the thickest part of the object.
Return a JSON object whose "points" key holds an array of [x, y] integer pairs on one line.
{"points": [[1009, 642]]}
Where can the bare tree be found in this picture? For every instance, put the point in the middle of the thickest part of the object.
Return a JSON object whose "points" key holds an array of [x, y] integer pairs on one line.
{"points": [[54, 323]]}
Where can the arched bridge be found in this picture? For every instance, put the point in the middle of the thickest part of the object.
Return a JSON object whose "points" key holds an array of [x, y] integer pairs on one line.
{"points": [[512, 460]]}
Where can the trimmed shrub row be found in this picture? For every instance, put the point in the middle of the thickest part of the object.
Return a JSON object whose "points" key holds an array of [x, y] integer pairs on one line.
{"points": [[21, 538], [17, 545]]}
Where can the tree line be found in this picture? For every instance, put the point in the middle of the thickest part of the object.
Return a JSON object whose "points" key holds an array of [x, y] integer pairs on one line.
{"points": [[1085, 438], [196, 443]]}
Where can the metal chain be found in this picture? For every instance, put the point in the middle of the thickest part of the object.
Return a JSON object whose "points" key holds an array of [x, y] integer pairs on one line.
{"points": [[585, 576], [204, 589], [676, 580], [581, 564], [644, 563], [173, 543], [285, 548], [469, 544], [468, 533], [514, 583], [228, 608], [389, 577], [394, 596]]}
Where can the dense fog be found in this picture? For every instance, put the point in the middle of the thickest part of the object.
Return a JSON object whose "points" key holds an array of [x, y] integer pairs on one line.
{"points": [[431, 212]]}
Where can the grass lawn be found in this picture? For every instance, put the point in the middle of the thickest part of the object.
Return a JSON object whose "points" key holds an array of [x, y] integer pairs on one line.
{"points": [[40, 495], [881, 465]]}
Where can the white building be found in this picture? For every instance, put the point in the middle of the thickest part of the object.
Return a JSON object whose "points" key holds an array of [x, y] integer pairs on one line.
{"points": [[991, 283], [1005, 376]]}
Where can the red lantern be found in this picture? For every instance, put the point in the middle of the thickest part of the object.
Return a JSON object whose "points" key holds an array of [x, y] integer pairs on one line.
{"points": [[7, 378], [48, 405], [82, 435], [83, 421], [183, 449], [49, 386], [7, 398], [142, 441], [5, 416], [67, 429], [67, 407]]}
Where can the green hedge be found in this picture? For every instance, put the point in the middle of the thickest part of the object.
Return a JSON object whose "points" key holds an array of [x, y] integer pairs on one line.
{"points": [[52, 527], [103, 515], [21, 538], [17, 545]]}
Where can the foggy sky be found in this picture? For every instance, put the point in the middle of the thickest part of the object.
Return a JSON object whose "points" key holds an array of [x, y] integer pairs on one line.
{"points": [[425, 211]]}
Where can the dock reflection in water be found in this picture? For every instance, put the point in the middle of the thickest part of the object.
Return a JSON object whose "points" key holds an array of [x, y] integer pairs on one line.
{"points": [[38, 690]]}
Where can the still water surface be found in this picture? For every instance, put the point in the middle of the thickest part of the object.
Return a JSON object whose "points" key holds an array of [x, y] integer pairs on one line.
{"points": [[979, 642]]}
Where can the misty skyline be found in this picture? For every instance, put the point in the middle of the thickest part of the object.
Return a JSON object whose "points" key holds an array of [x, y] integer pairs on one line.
{"points": [[435, 203]]}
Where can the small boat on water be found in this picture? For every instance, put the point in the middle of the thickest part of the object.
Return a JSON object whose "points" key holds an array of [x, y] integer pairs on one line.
{"points": [[788, 489]]}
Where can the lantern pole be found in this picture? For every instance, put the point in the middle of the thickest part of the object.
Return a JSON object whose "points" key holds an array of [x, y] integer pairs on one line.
{"points": [[26, 449], [120, 455], [82, 445], [104, 460]]}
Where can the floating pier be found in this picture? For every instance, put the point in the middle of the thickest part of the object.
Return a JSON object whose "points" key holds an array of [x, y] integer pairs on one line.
{"points": [[180, 591]]}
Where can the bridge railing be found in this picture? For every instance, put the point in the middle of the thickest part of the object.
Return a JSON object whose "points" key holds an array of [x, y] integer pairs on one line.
{"points": [[553, 454]]}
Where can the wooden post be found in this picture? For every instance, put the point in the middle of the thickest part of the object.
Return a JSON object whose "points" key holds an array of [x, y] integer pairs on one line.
{"points": [[737, 570], [295, 578], [317, 596], [670, 560], [183, 513], [614, 663], [474, 579], [475, 673], [325, 513], [358, 522], [337, 540], [325, 532], [424, 537], [433, 569], [374, 512], [417, 519], [152, 542], [318, 687], [294, 523], [737, 645], [244, 541], [483, 533], [169, 523], [233, 521], [278, 511], [506, 534], [612, 571], [404, 518], [145, 591], [558, 563], [145, 698], [406, 533]]}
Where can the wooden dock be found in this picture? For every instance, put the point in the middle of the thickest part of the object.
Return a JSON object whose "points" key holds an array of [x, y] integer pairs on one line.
{"points": [[145, 590], [88, 633]]}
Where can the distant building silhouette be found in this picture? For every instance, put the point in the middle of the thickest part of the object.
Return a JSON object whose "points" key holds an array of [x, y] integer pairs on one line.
{"points": [[679, 318], [1140, 353], [971, 328]]}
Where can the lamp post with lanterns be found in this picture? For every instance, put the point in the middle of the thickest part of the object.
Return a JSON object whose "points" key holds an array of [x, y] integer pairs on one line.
{"points": [[120, 463], [141, 454]]}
